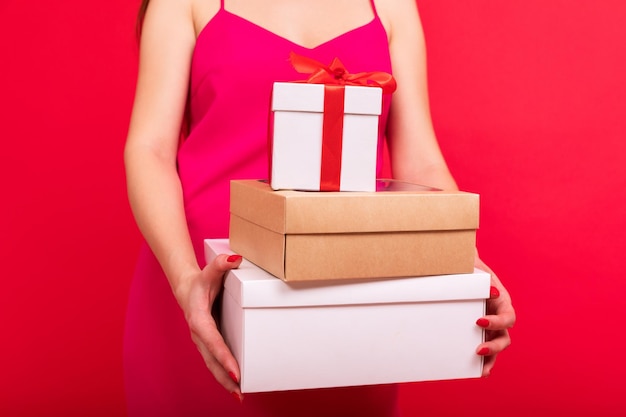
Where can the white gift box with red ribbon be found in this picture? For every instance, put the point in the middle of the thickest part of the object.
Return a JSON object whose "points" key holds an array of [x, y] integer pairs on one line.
{"points": [[324, 137]]}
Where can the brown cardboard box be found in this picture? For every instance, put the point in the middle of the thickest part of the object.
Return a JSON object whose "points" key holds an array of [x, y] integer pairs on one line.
{"points": [[404, 231]]}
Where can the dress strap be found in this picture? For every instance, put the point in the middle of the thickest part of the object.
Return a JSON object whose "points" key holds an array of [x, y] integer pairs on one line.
{"points": [[373, 8], [222, 4]]}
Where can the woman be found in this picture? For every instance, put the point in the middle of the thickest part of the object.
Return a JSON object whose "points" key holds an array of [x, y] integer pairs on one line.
{"points": [[209, 65]]}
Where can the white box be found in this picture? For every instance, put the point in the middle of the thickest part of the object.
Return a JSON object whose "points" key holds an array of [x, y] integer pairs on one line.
{"points": [[303, 335], [297, 137]]}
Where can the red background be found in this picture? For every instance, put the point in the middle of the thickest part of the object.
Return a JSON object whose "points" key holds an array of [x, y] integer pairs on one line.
{"points": [[528, 100]]}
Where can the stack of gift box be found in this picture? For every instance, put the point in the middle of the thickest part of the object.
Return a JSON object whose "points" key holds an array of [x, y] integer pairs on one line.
{"points": [[346, 280]]}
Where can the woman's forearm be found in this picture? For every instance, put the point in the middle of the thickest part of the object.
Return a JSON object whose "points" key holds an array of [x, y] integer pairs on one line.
{"points": [[435, 175], [155, 196]]}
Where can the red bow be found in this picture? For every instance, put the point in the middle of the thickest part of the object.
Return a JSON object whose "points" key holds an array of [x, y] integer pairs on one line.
{"points": [[336, 74]]}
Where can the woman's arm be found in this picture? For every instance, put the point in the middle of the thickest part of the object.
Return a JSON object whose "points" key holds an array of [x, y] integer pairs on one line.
{"points": [[154, 188], [150, 154], [415, 153]]}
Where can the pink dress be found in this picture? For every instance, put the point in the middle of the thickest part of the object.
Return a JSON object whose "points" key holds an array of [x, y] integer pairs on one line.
{"points": [[234, 65]]}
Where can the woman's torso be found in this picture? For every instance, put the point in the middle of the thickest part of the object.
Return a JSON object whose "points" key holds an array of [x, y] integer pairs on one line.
{"points": [[234, 64]]}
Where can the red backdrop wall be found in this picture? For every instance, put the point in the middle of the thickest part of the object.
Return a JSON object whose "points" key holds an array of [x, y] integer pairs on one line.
{"points": [[528, 101]]}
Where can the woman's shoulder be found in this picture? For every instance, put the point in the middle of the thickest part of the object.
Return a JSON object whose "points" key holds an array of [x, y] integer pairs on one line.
{"points": [[394, 14], [179, 15], [202, 12]]}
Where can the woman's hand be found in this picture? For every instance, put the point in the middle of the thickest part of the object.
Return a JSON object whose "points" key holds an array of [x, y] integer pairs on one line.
{"points": [[196, 298], [500, 317]]}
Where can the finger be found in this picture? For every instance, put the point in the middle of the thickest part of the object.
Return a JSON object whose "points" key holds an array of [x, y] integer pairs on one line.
{"points": [[488, 364], [490, 350], [215, 270], [225, 262], [218, 357], [494, 292], [501, 321], [496, 342], [210, 342], [497, 287], [500, 313], [226, 379]]}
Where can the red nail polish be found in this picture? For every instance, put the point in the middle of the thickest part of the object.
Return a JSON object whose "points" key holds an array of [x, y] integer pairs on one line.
{"points": [[237, 397], [233, 377], [233, 258], [493, 292], [483, 351], [482, 322]]}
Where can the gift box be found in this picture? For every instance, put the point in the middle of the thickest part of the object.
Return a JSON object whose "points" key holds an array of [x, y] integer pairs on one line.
{"points": [[319, 147], [302, 335], [407, 230]]}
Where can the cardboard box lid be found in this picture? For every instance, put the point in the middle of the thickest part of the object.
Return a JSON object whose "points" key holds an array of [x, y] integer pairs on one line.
{"points": [[310, 98], [397, 207], [252, 287]]}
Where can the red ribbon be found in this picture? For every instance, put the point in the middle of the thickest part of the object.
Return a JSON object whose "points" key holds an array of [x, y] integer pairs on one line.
{"points": [[336, 74], [335, 77], [332, 138]]}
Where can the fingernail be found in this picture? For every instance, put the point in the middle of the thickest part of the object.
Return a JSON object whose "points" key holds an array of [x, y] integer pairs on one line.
{"points": [[483, 351], [233, 258], [493, 292], [237, 397], [233, 377], [482, 322]]}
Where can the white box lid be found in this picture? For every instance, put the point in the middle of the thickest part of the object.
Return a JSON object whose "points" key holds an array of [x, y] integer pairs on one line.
{"points": [[310, 98], [253, 287]]}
